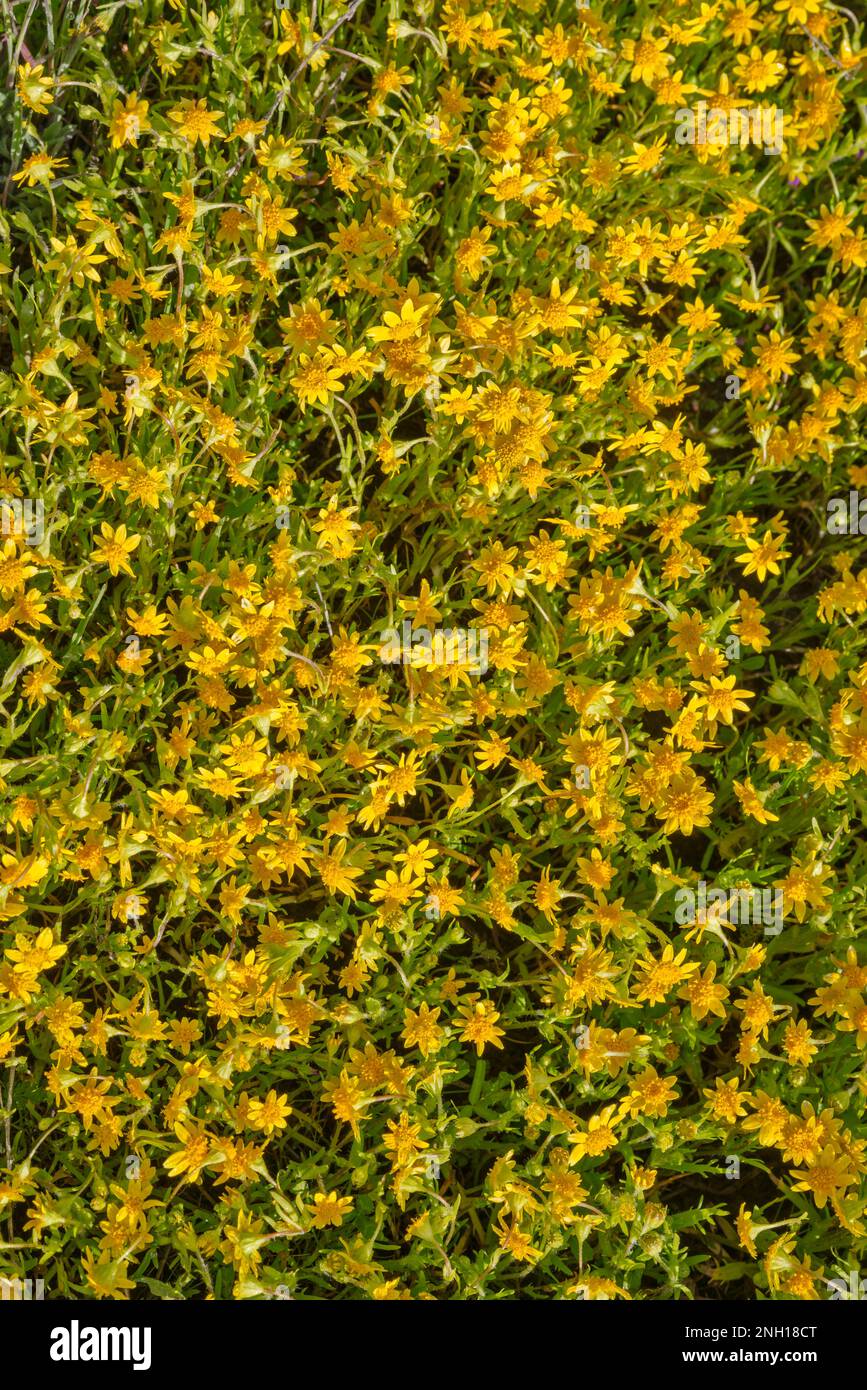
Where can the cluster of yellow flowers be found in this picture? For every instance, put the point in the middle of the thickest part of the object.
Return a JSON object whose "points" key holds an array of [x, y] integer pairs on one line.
{"points": [[351, 966]]}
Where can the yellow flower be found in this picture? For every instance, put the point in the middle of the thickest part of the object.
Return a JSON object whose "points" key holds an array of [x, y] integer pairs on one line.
{"points": [[648, 57], [38, 168], [317, 378], [752, 803], [35, 90], [421, 1030], [480, 1025], [763, 557], [826, 1174], [31, 956], [650, 1094], [644, 158], [195, 122], [725, 1101], [115, 548], [195, 1152], [703, 995], [403, 1140], [720, 699], [329, 1209], [128, 121], [107, 1278], [685, 803], [270, 1114]]}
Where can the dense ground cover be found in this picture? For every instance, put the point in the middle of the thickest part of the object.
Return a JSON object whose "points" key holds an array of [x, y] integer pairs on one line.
{"points": [[434, 681]]}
